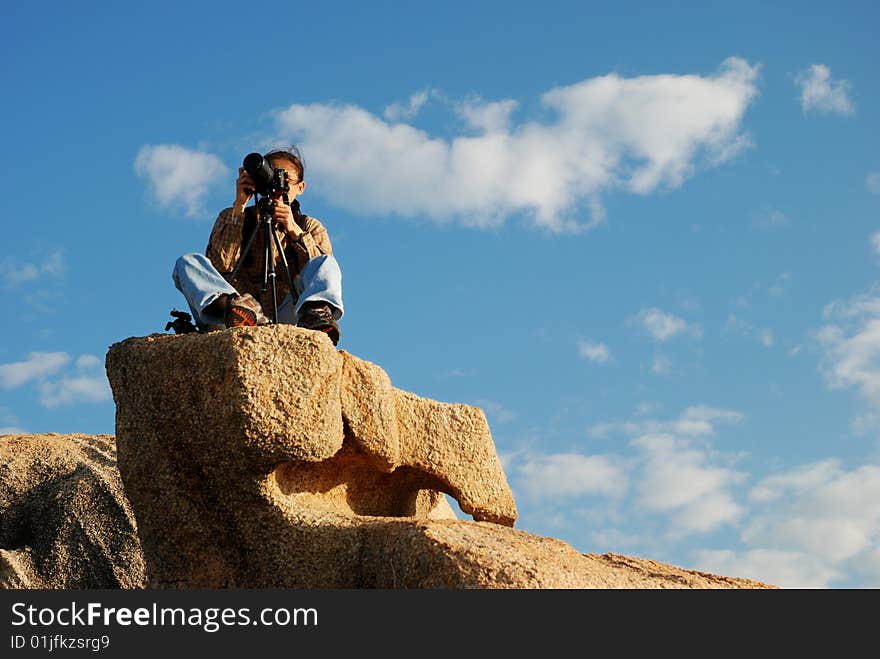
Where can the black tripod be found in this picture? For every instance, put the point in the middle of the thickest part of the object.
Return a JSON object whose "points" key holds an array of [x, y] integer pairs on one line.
{"points": [[263, 209]]}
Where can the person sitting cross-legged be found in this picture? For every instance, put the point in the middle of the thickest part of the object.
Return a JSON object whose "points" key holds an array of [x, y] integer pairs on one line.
{"points": [[217, 301]]}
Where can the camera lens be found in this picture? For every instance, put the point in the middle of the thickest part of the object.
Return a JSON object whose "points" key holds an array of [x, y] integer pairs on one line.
{"points": [[260, 171]]}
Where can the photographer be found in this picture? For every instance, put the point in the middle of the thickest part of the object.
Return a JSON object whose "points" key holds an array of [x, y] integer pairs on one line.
{"points": [[217, 302]]}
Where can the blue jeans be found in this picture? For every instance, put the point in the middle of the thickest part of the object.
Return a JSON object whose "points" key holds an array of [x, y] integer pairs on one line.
{"points": [[196, 277]]}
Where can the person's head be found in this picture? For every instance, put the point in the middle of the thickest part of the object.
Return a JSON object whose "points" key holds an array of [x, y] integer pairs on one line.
{"points": [[290, 160]]}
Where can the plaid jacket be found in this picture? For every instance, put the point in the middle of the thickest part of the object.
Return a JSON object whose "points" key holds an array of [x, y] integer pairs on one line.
{"points": [[230, 234]]}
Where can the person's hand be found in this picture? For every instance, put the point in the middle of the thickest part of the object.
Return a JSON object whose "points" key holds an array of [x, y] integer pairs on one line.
{"points": [[244, 189], [283, 216]]}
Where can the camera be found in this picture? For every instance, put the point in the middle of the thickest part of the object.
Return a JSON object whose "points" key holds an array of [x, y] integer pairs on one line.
{"points": [[268, 181]]}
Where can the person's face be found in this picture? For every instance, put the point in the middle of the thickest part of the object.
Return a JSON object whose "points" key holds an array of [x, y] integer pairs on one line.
{"points": [[296, 186]]}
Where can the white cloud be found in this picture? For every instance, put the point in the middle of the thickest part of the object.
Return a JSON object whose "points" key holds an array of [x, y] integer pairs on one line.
{"points": [[872, 182], [868, 566], [78, 386], [875, 242], [487, 116], [821, 509], [595, 352], [819, 92], [85, 362], [695, 421], [699, 420], [71, 390], [179, 177], [677, 475], [664, 326], [614, 539], [36, 366], [408, 110], [786, 569], [595, 139], [11, 430], [852, 345], [680, 480], [13, 273], [571, 475], [866, 424], [715, 508], [798, 481]]}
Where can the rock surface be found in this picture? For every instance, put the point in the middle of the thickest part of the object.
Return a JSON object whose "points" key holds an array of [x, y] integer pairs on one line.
{"points": [[65, 521], [55, 506], [263, 457]]}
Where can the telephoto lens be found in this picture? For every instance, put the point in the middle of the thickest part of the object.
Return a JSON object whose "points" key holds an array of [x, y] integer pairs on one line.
{"points": [[261, 172]]}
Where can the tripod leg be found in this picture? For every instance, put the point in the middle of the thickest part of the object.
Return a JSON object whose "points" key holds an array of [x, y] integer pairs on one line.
{"points": [[286, 267], [244, 252], [269, 268]]}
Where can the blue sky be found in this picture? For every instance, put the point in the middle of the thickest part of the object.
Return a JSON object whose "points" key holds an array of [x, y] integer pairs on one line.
{"points": [[643, 239]]}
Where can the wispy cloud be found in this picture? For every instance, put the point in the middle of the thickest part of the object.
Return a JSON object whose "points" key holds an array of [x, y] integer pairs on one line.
{"points": [[571, 475], [695, 421], [810, 526], [10, 423], [408, 110], [87, 384], [664, 326], [84, 383], [78, 389], [799, 480], [875, 242], [821, 93], [13, 273], [88, 361], [676, 474], [777, 288], [487, 116], [594, 140], [851, 345], [866, 424], [594, 351], [789, 569], [681, 481], [740, 326], [872, 182], [822, 509], [35, 366], [179, 177]]}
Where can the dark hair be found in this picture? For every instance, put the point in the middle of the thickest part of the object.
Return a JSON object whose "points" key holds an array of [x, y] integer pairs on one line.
{"points": [[293, 155]]}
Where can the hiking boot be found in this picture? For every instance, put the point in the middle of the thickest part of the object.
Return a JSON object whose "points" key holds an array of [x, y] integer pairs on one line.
{"points": [[319, 316], [244, 311]]}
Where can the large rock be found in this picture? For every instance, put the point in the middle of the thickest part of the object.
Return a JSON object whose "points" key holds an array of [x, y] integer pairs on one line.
{"points": [[90, 544], [263, 457], [65, 521]]}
